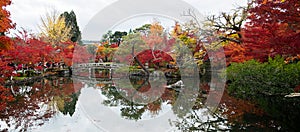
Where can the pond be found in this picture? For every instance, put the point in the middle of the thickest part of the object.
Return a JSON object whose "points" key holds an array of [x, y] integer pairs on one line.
{"points": [[85, 104]]}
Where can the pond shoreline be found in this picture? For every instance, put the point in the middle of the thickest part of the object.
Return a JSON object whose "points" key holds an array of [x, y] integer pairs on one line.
{"points": [[33, 79]]}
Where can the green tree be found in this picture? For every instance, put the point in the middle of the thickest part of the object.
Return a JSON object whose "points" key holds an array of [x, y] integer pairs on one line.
{"points": [[106, 37], [131, 46], [70, 20], [143, 29], [117, 37]]}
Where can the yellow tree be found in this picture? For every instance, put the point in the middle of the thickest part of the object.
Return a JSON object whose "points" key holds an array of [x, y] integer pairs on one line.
{"points": [[53, 28], [154, 39], [187, 35], [105, 52]]}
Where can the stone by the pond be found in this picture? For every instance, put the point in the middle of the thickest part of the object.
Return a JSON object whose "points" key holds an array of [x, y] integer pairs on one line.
{"points": [[178, 84], [292, 95]]}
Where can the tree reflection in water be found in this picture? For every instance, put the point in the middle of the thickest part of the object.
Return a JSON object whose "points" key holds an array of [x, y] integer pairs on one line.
{"points": [[128, 107], [35, 103], [197, 118], [232, 113]]}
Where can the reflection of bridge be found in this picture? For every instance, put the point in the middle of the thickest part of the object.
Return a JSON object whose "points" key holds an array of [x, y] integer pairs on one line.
{"points": [[93, 81]]}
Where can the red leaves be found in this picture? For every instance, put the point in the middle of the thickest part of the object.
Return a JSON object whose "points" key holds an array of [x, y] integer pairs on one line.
{"points": [[81, 55], [5, 21], [30, 51], [155, 57], [273, 30], [235, 53], [5, 43], [236, 108], [5, 97], [114, 45]]}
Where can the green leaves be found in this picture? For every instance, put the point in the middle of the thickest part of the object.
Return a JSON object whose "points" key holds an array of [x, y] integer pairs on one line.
{"points": [[270, 78], [70, 21]]}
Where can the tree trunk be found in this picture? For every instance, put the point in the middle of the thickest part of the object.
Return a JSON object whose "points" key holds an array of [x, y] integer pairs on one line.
{"points": [[139, 62], [143, 67]]}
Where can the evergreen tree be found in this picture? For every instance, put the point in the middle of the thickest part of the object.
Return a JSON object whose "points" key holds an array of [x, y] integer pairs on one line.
{"points": [[70, 20]]}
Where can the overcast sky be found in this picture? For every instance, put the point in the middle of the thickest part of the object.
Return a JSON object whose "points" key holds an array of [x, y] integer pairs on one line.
{"points": [[27, 13]]}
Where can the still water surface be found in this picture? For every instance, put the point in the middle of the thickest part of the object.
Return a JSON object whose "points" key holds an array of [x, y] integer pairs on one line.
{"points": [[72, 104]]}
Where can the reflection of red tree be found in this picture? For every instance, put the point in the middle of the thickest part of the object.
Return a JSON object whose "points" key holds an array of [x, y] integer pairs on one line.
{"points": [[5, 97], [233, 108], [236, 108], [36, 105], [154, 107], [144, 88], [169, 96], [101, 74]]}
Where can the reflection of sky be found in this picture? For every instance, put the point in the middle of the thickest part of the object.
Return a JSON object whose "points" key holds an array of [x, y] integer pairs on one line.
{"points": [[78, 122], [92, 115]]}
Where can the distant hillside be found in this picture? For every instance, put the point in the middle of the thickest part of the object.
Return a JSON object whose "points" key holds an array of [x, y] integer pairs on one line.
{"points": [[90, 42]]}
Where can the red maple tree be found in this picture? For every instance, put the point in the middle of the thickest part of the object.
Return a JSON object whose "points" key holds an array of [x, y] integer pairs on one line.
{"points": [[273, 29], [5, 44]]}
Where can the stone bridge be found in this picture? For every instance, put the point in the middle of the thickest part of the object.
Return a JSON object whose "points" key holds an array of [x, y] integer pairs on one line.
{"points": [[96, 65], [90, 68]]}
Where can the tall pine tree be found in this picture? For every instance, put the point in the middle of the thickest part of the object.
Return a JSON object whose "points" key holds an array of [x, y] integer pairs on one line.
{"points": [[70, 20]]}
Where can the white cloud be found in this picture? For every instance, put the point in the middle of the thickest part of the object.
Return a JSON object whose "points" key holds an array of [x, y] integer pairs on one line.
{"points": [[27, 13]]}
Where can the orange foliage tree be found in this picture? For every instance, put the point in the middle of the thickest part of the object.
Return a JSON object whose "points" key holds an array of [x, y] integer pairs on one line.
{"points": [[5, 44], [5, 21], [57, 95], [273, 29]]}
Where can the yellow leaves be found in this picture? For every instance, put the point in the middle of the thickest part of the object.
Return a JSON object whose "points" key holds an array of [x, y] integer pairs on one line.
{"points": [[101, 85], [184, 36], [156, 28], [199, 54], [154, 37], [199, 57], [54, 29], [100, 49], [275, 1], [71, 46], [199, 62], [108, 50], [173, 62], [177, 30], [235, 35], [189, 41], [60, 103]]}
